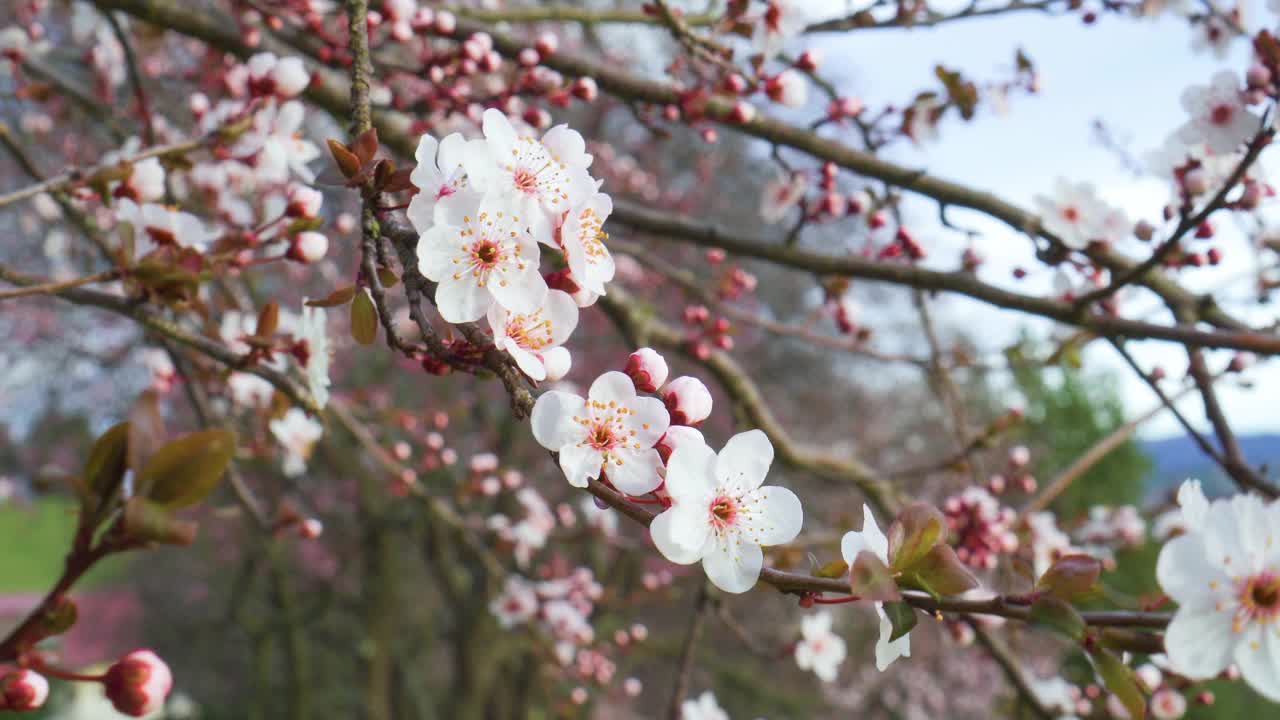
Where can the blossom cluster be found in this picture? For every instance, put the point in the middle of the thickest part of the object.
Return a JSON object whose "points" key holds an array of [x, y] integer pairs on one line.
{"points": [[483, 209]]}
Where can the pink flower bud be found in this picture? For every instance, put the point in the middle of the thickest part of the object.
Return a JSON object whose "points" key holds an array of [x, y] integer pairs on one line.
{"points": [[290, 77], [528, 57], [547, 44], [1168, 704], [1258, 76], [308, 247], [844, 107], [647, 369], [446, 22], [743, 112], [688, 401], [304, 202], [787, 88], [310, 529], [585, 89], [138, 683], [809, 59], [23, 690], [1144, 231]]}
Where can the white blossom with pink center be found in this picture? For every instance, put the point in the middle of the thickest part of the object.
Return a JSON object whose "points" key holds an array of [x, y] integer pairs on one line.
{"points": [[871, 539], [1219, 118], [297, 433], [582, 238], [488, 256], [1224, 573], [534, 340], [782, 21], [780, 195], [703, 707], [819, 649], [1076, 216], [439, 176], [276, 144], [516, 604], [550, 174], [611, 431], [722, 514], [158, 225]]}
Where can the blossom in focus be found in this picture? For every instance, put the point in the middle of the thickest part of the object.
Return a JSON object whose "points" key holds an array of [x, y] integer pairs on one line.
{"points": [[612, 431], [688, 400], [489, 256], [647, 369], [871, 539], [534, 340], [1219, 118], [722, 513], [819, 649], [138, 683], [582, 238], [439, 176], [548, 174], [297, 434], [703, 707], [1224, 573]]}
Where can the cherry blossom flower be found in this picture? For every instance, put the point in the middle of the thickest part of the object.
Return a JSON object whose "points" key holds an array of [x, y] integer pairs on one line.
{"points": [[439, 175], [1077, 217], [314, 343], [1048, 542], [282, 77], [138, 683], [275, 139], [820, 650], [156, 226], [531, 338], [780, 195], [249, 390], [490, 256], [703, 707], [1056, 694], [1168, 704], [871, 539], [146, 177], [722, 514], [613, 431], [530, 533], [163, 374], [516, 604], [1224, 573], [783, 20], [582, 238], [297, 433], [1219, 118], [550, 173]]}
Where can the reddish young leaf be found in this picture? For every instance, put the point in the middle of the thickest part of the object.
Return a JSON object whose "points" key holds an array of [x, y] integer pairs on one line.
{"points": [[365, 146], [268, 320], [348, 162], [870, 579], [341, 296]]}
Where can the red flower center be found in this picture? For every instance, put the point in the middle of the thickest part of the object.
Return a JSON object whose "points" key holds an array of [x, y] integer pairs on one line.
{"points": [[1221, 114], [723, 511]]}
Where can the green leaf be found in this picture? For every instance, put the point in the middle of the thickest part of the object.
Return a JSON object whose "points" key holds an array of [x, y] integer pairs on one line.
{"points": [[870, 579], [146, 432], [364, 319], [1071, 577], [915, 532], [833, 569], [940, 573], [387, 277], [148, 521], [107, 463], [1057, 615], [341, 296], [1121, 681], [902, 616], [186, 470]]}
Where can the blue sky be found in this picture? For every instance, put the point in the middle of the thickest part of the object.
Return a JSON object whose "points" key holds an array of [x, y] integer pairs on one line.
{"points": [[1129, 73]]}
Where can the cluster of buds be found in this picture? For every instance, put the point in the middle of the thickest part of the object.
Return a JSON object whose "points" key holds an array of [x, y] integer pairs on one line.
{"points": [[1018, 472], [704, 333], [734, 282], [981, 528]]}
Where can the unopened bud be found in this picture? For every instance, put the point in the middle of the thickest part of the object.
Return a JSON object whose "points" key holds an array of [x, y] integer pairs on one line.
{"points": [[308, 247], [23, 690], [138, 683], [688, 401], [647, 369]]}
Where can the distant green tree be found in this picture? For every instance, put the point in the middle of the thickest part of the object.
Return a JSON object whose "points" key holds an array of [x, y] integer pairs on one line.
{"points": [[1068, 410]]}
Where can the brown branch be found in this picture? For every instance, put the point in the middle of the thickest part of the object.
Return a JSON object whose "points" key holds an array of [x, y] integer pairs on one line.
{"points": [[684, 667], [53, 287]]}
